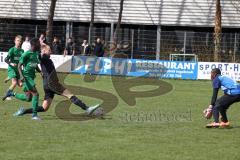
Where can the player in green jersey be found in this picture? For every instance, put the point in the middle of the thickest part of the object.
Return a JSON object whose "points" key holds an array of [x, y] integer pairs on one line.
{"points": [[12, 60], [29, 61]]}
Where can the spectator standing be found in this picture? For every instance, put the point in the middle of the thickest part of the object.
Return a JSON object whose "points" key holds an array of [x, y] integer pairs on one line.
{"points": [[70, 48], [26, 46], [98, 48], [56, 46], [85, 48]]}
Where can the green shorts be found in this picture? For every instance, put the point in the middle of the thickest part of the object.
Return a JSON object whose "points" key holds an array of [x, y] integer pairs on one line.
{"points": [[29, 84], [13, 73]]}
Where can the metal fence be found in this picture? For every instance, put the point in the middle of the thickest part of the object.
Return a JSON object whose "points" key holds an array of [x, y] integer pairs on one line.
{"points": [[142, 42]]}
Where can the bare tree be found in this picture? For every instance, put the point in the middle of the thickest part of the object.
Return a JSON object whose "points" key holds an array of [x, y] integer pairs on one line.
{"points": [[49, 29], [92, 21], [236, 4], [217, 31], [119, 22]]}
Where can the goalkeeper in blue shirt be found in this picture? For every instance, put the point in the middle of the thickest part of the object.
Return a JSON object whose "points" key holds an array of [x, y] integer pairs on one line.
{"points": [[218, 107]]}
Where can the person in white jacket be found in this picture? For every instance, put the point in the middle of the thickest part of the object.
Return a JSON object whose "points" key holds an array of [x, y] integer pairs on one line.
{"points": [[26, 46]]}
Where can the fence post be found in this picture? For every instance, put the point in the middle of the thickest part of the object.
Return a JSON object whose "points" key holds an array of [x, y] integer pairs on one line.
{"points": [[184, 45], [185, 41], [158, 42], [235, 47], [68, 30], [71, 29], [132, 33], [112, 32], [207, 39], [138, 38], [36, 31]]}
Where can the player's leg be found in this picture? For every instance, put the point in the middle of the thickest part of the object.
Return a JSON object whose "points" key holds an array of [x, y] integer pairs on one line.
{"points": [[223, 103], [45, 106], [61, 90], [6, 80], [66, 93], [221, 106], [11, 88], [15, 81], [20, 84], [35, 99], [96, 110], [26, 96], [14, 84], [29, 85], [48, 98]]}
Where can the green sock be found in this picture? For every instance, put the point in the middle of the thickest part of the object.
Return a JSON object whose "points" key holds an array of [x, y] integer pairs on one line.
{"points": [[35, 104], [22, 97]]}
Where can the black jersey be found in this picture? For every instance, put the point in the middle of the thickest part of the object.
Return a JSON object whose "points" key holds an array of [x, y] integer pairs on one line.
{"points": [[48, 70]]}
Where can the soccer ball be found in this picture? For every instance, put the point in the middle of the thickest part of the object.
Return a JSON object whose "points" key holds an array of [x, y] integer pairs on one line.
{"points": [[99, 112], [207, 113]]}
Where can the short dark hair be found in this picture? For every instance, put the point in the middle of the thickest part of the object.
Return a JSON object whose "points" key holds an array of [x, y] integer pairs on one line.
{"points": [[216, 70], [34, 41]]}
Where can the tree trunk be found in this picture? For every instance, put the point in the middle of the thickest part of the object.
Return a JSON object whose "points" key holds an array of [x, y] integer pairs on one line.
{"points": [[92, 22], [49, 29], [115, 36], [217, 31]]}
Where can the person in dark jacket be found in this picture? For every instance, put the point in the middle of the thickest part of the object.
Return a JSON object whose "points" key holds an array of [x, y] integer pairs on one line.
{"points": [[56, 46], [70, 48], [98, 48]]}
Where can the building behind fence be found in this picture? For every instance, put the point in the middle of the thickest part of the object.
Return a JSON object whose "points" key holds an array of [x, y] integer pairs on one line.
{"points": [[152, 29], [136, 41]]}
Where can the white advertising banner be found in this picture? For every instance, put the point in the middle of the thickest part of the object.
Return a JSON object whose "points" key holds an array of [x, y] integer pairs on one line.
{"points": [[62, 64], [229, 69], [3, 55]]}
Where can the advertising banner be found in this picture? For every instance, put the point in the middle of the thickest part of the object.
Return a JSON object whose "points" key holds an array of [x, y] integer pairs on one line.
{"points": [[228, 69], [62, 64], [135, 67], [3, 55]]}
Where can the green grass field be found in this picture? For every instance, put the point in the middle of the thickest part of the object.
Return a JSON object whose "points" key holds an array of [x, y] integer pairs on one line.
{"points": [[127, 132]]}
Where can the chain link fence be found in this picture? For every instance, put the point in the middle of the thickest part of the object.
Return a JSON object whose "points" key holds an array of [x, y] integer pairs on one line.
{"points": [[141, 42]]}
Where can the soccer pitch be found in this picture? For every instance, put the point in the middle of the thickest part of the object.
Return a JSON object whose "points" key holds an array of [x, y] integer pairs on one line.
{"points": [[169, 126]]}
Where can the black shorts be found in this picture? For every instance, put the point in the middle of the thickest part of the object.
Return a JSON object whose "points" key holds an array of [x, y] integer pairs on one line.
{"points": [[51, 89], [225, 101]]}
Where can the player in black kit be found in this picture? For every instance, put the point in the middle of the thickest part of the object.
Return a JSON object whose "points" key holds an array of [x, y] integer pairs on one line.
{"points": [[52, 86]]}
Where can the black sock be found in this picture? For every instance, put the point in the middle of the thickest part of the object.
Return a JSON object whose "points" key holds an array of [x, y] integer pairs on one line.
{"points": [[78, 102], [224, 115], [30, 110], [9, 90]]}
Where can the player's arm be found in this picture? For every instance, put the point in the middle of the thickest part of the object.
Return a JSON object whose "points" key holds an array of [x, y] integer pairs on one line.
{"points": [[20, 64], [216, 84], [214, 96], [7, 59]]}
